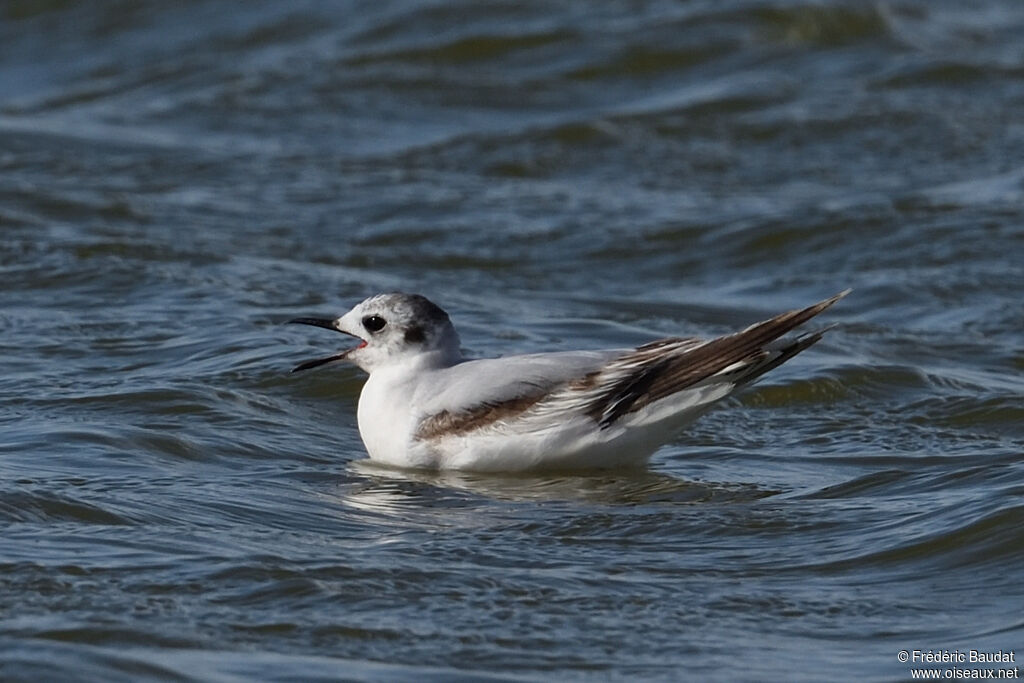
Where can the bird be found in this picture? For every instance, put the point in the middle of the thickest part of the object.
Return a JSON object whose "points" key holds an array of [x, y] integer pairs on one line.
{"points": [[425, 406]]}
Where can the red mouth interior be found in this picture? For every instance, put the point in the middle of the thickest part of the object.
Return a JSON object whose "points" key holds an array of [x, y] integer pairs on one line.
{"points": [[361, 344]]}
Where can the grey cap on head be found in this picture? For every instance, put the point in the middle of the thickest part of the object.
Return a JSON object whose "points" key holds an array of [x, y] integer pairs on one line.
{"points": [[416, 306]]}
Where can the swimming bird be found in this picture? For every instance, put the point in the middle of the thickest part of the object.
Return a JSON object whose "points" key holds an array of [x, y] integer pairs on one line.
{"points": [[425, 406]]}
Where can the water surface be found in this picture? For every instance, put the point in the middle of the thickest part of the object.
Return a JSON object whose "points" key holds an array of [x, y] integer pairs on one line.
{"points": [[177, 179]]}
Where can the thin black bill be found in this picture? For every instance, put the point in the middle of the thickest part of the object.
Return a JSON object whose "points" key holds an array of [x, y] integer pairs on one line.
{"points": [[327, 324], [319, 361]]}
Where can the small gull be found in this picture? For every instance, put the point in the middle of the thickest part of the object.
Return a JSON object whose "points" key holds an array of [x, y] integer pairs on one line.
{"points": [[425, 406]]}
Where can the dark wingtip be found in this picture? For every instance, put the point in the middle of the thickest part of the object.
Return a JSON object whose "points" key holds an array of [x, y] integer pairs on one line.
{"points": [[822, 305], [839, 296], [799, 317]]}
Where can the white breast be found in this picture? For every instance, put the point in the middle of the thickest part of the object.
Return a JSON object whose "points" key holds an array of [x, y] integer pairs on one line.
{"points": [[386, 420]]}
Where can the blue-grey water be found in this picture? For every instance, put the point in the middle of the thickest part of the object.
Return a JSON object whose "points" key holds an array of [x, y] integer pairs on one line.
{"points": [[178, 179]]}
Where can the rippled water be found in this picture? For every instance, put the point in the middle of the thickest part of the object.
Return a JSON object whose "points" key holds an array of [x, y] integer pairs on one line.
{"points": [[177, 179]]}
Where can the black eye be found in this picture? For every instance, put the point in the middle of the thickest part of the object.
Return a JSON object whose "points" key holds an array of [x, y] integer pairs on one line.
{"points": [[374, 323]]}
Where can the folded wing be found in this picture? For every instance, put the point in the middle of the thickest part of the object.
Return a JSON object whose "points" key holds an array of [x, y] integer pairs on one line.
{"points": [[606, 386], [655, 371]]}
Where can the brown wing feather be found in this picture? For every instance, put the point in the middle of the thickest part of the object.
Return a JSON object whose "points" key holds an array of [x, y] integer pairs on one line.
{"points": [[644, 375], [447, 423], [651, 374]]}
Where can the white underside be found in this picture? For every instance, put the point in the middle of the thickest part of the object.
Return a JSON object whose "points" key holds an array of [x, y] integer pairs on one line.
{"points": [[558, 437]]}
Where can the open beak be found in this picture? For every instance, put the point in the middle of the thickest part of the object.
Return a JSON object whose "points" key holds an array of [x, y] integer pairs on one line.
{"points": [[328, 325]]}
